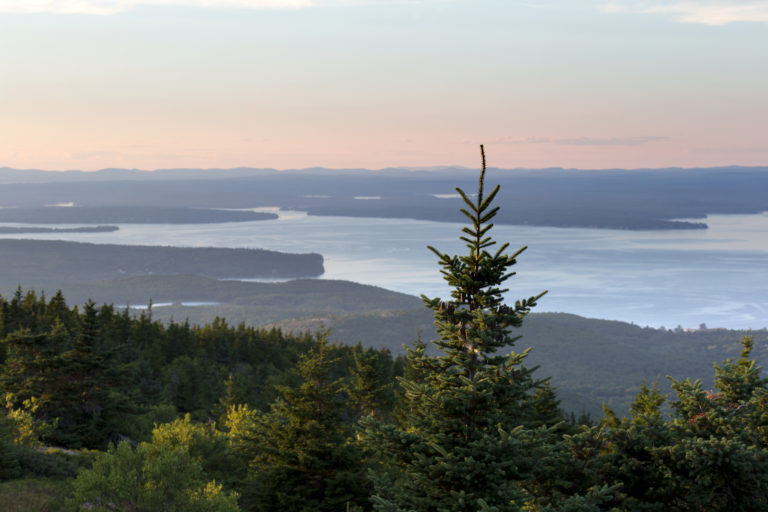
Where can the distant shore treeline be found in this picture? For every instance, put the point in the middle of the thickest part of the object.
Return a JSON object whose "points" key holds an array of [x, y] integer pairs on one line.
{"points": [[13, 230], [127, 215]]}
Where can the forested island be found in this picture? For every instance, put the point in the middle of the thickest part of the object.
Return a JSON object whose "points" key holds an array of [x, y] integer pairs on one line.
{"points": [[45, 261], [106, 411]]}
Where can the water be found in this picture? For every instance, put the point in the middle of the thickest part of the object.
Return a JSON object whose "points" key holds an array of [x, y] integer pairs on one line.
{"points": [[688, 277], [119, 307]]}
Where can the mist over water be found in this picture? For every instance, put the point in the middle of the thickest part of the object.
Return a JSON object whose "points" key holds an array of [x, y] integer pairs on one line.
{"points": [[717, 276]]}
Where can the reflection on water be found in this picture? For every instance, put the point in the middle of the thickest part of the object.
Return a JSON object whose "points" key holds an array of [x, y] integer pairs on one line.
{"points": [[718, 276], [166, 304]]}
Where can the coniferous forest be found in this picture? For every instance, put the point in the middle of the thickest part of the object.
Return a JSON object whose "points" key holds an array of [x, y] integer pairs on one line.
{"points": [[106, 411]]}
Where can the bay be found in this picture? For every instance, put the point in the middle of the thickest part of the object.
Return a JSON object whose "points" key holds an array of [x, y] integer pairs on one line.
{"points": [[717, 276]]}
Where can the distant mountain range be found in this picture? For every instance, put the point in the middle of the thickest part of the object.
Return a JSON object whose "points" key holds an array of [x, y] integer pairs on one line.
{"points": [[616, 199]]}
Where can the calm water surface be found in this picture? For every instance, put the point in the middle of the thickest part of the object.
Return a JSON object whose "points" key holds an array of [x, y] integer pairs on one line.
{"points": [[718, 276]]}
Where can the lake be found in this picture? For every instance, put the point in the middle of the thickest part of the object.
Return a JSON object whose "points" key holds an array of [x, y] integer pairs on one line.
{"points": [[717, 276]]}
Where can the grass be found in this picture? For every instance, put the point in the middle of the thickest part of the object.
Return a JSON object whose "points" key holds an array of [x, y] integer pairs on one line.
{"points": [[33, 495]]}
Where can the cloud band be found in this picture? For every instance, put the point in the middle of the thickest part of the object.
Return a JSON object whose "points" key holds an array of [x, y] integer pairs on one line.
{"points": [[583, 141], [110, 7], [707, 12]]}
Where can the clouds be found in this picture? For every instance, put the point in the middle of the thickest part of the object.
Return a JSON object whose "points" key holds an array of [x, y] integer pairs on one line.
{"points": [[109, 7], [583, 141], [707, 12]]}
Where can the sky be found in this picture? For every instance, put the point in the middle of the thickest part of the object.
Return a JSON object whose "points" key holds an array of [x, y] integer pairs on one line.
{"points": [[151, 84]]}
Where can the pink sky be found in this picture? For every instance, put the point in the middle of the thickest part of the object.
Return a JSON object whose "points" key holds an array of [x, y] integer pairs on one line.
{"points": [[588, 84]]}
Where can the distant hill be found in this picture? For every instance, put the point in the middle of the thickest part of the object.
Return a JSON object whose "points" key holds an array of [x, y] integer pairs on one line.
{"points": [[616, 199], [590, 361], [255, 303]]}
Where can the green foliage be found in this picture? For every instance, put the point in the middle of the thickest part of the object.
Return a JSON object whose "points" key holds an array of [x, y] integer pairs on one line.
{"points": [[300, 454], [138, 426], [86, 377], [371, 390], [461, 443], [28, 430], [87, 393], [546, 407], [712, 454], [207, 445], [191, 385], [736, 381], [147, 479], [34, 495], [49, 463], [9, 464], [20, 460], [54, 375], [466, 428]]}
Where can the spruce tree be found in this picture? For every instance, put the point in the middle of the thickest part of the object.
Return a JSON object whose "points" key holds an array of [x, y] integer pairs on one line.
{"points": [[371, 385], [711, 454], [463, 440], [301, 455], [88, 395]]}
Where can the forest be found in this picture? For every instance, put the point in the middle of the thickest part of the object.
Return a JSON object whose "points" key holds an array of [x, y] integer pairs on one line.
{"points": [[108, 411]]}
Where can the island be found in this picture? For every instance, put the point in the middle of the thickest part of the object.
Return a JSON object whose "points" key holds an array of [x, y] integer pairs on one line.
{"points": [[33, 262]]}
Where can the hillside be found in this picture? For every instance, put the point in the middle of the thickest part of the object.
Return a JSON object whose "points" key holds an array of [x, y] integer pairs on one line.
{"points": [[590, 361], [254, 303]]}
